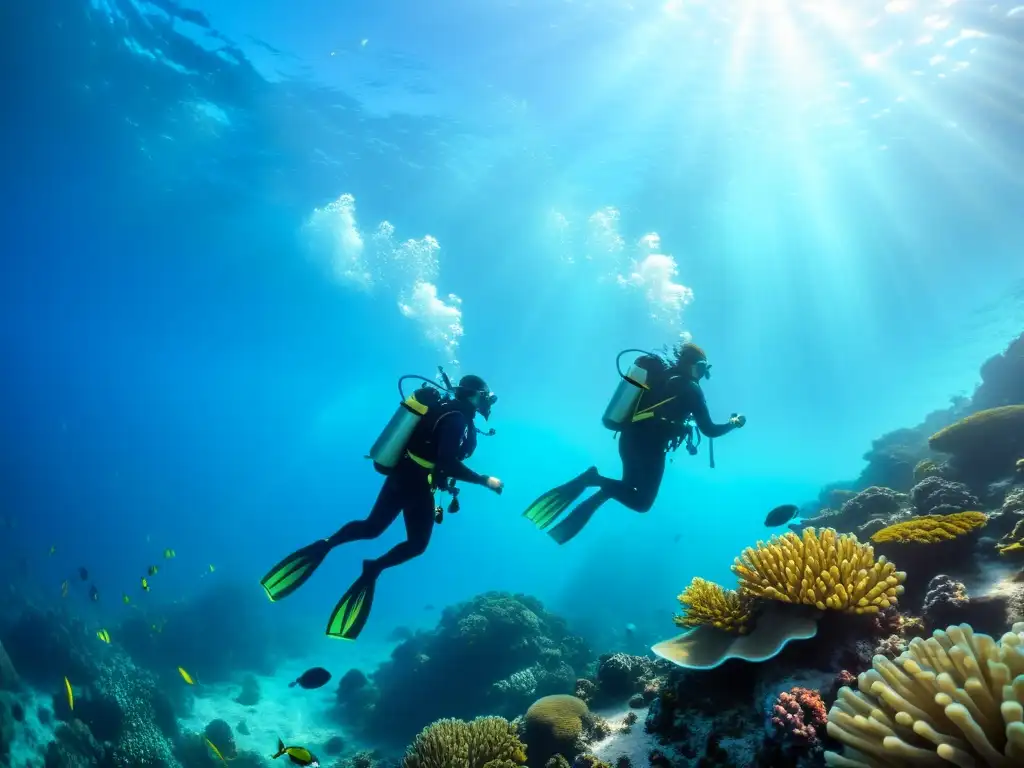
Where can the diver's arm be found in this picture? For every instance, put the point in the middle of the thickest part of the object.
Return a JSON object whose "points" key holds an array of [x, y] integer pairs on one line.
{"points": [[451, 431], [702, 417]]}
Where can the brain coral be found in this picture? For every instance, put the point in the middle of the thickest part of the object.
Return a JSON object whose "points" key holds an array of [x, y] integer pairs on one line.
{"points": [[954, 699], [929, 529], [486, 742], [830, 571], [555, 725], [708, 604]]}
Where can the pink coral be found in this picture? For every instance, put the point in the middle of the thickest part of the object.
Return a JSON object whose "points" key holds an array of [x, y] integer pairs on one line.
{"points": [[800, 715]]}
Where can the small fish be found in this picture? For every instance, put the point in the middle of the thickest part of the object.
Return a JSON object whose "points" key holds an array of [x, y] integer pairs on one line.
{"points": [[83, 574], [94, 594], [103, 635], [631, 629], [71, 695], [64, 588], [298, 755], [169, 553], [212, 569], [126, 599], [216, 751], [781, 515], [52, 550], [317, 677], [186, 676], [152, 570], [145, 584], [428, 607], [677, 538]]}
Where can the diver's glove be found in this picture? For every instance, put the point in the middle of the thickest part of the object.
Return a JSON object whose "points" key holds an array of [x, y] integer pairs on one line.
{"points": [[737, 420], [495, 485]]}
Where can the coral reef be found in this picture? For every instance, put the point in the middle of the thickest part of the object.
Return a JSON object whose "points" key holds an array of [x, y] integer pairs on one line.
{"points": [[937, 496], [876, 503], [1012, 544], [829, 572], [927, 468], [800, 716], [486, 742], [505, 650], [983, 445], [952, 697], [948, 602], [1003, 520], [219, 733], [707, 603], [44, 647]]}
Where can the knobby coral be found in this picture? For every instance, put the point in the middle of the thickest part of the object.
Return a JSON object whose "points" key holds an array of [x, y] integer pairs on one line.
{"points": [[930, 529], [486, 742], [830, 572], [800, 716], [957, 697], [709, 604]]}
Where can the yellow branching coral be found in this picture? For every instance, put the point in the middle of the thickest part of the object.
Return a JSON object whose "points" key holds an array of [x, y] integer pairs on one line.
{"points": [[954, 699], [929, 529], [830, 571], [486, 742], [708, 604]]}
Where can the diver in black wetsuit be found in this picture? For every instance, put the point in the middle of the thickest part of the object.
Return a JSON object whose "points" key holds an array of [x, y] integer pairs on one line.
{"points": [[433, 457], [658, 425]]}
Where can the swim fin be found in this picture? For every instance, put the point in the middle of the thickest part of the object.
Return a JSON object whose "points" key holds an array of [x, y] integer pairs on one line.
{"points": [[575, 521], [292, 572], [553, 504], [352, 611]]}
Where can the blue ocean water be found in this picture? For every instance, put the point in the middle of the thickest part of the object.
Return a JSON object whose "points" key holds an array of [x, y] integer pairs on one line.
{"points": [[229, 227]]}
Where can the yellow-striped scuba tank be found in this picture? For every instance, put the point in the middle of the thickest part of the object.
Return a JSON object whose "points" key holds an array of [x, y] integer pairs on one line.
{"points": [[623, 408], [390, 446]]}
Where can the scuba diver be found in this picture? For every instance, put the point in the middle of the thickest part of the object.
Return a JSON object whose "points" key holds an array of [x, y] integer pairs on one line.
{"points": [[655, 409], [421, 451]]}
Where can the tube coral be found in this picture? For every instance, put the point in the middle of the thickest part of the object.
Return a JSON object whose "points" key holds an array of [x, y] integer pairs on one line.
{"points": [[957, 697]]}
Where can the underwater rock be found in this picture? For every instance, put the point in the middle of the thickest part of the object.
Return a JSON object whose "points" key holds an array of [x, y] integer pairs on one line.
{"points": [[334, 746], [242, 728], [985, 445], [1005, 519], [245, 637], [1002, 378], [585, 689], [457, 669], [74, 746], [862, 510], [250, 693], [948, 602], [8, 676], [6, 731], [936, 496], [620, 675], [219, 733], [45, 646]]}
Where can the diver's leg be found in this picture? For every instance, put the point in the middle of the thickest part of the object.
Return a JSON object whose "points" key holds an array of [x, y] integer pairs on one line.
{"points": [[384, 512], [418, 511], [643, 467]]}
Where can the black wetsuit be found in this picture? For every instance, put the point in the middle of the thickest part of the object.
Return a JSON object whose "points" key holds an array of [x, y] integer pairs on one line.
{"points": [[409, 488], [643, 445]]}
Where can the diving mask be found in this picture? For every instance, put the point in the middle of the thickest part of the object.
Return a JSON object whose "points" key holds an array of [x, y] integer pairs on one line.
{"points": [[485, 400], [703, 369]]}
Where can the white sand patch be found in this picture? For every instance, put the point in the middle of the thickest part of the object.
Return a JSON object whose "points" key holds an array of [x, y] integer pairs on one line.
{"points": [[634, 744], [298, 717]]}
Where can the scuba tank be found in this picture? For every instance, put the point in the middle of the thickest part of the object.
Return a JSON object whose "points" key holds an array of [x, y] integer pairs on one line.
{"points": [[389, 447], [623, 404]]}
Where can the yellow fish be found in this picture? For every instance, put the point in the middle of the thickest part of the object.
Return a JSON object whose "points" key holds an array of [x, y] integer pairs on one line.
{"points": [[153, 570], [186, 676], [298, 755], [64, 588], [126, 599], [71, 696], [216, 751], [103, 635], [169, 553], [145, 584]]}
